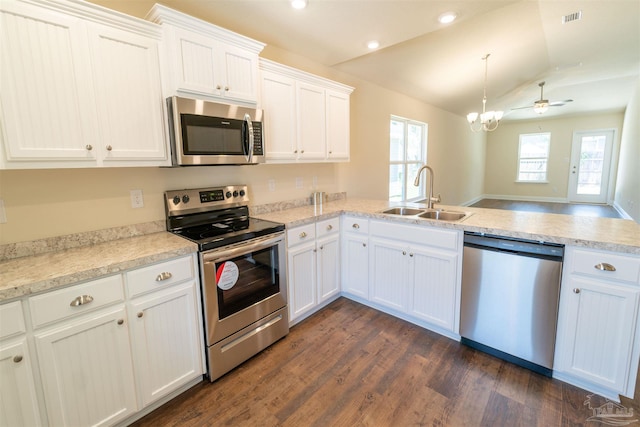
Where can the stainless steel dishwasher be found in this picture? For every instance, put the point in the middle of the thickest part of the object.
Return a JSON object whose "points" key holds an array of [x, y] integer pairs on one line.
{"points": [[509, 301]]}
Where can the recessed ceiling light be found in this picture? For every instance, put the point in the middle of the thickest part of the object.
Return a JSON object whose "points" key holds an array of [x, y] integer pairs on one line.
{"points": [[447, 17], [373, 44], [298, 4]]}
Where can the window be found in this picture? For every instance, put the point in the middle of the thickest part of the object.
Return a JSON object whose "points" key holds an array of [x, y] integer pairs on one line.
{"points": [[533, 157], [408, 151]]}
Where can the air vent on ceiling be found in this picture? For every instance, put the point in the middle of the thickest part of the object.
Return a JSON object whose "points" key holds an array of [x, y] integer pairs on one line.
{"points": [[575, 16]]}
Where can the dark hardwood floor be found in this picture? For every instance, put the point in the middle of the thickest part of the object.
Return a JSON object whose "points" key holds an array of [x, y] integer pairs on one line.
{"points": [[350, 365], [578, 209]]}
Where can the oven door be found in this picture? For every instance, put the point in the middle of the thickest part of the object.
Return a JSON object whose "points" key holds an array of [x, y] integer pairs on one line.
{"points": [[242, 284]]}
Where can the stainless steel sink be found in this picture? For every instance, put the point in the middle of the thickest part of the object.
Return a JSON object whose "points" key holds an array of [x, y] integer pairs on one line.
{"points": [[443, 215], [403, 210]]}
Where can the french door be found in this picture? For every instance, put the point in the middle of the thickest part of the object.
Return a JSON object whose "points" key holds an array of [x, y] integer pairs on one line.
{"points": [[591, 155]]}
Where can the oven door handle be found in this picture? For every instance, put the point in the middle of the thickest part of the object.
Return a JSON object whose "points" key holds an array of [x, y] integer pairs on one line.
{"points": [[219, 255]]}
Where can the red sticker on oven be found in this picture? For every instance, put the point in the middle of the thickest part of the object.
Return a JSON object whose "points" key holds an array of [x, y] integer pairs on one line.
{"points": [[227, 275]]}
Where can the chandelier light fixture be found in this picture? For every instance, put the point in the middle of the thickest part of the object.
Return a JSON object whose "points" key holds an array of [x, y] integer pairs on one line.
{"points": [[489, 120]]}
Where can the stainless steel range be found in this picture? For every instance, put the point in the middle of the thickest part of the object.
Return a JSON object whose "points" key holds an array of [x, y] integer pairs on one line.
{"points": [[242, 271]]}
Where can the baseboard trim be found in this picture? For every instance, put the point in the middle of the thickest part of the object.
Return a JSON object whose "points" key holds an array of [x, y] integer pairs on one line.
{"points": [[524, 198], [621, 211]]}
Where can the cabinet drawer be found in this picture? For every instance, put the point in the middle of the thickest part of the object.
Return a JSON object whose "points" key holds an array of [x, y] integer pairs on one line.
{"points": [[355, 224], [159, 276], [11, 319], [430, 236], [67, 302], [590, 262], [328, 226], [301, 234]]}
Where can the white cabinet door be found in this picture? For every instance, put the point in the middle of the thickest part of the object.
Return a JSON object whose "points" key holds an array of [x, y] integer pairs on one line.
{"points": [[338, 132], [432, 286], [87, 371], [240, 73], [388, 266], [355, 265], [278, 101], [598, 322], [126, 76], [166, 343], [311, 122], [328, 264], [46, 101], [17, 390], [302, 279]]}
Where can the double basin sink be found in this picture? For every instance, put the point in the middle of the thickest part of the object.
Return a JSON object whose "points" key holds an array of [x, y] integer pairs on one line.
{"points": [[437, 214]]}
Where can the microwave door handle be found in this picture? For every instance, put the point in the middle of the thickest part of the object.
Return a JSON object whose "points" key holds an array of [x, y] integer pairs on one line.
{"points": [[249, 152]]}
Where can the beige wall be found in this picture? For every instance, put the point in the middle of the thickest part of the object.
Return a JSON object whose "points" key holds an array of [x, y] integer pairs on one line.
{"points": [[46, 203], [627, 196], [502, 155]]}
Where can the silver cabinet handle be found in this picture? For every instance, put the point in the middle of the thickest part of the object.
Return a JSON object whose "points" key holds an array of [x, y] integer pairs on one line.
{"points": [[17, 359], [576, 290], [303, 235], [109, 148], [81, 300], [140, 314], [120, 321], [603, 266], [165, 275], [89, 147], [356, 226], [329, 227]]}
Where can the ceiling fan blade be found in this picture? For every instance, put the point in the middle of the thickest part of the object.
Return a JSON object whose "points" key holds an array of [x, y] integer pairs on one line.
{"points": [[559, 103], [522, 108]]}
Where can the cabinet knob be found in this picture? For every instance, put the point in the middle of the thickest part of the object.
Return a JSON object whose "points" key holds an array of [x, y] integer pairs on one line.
{"points": [[81, 300], [411, 255], [165, 275], [329, 227], [226, 88], [321, 247], [330, 152], [140, 314], [109, 148], [364, 245], [303, 235], [603, 266], [404, 252], [17, 359], [89, 147], [218, 87], [295, 151], [356, 226], [120, 321], [576, 290]]}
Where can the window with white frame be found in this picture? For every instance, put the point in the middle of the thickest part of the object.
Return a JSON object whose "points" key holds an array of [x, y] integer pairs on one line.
{"points": [[407, 152], [533, 157]]}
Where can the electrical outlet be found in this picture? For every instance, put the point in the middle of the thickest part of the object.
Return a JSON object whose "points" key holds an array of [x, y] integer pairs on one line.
{"points": [[137, 201], [3, 213], [272, 185], [299, 182]]}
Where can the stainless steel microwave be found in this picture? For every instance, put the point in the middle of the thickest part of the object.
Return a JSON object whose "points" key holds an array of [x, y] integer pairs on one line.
{"points": [[208, 133]]}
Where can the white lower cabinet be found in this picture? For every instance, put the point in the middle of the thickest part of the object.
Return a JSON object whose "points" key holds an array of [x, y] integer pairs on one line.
{"points": [[355, 257], [19, 404], [105, 349], [86, 369], [598, 339], [313, 253], [166, 346], [416, 271]]}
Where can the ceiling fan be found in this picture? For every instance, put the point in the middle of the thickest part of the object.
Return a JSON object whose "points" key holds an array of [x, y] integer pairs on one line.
{"points": [[542, 105]]}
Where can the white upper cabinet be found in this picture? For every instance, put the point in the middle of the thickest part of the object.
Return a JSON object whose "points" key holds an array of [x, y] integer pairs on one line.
{"points": [[77, 92], [306, 117], [204, 60]]}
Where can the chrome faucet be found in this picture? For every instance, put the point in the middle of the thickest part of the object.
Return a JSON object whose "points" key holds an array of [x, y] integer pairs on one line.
{"points": [[430, 198]]}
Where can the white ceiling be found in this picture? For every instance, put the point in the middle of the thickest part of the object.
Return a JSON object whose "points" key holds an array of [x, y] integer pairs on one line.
{"points": [[594, 61]]}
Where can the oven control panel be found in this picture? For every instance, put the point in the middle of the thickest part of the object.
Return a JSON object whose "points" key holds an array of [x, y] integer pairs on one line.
{"points": [[180, 202]]}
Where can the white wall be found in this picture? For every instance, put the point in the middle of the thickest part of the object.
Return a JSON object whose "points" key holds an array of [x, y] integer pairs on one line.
{"points": [[627, 195]]}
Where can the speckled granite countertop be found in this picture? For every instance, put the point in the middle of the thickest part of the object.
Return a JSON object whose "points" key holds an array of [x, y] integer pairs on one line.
{"points": [[617, 235], [31, 274], [26, 275]]}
